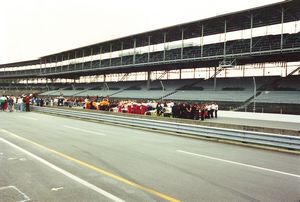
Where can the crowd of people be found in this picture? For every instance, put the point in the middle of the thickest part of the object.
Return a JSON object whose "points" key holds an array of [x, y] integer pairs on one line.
{"points": [[182, 110], [15, 103]]}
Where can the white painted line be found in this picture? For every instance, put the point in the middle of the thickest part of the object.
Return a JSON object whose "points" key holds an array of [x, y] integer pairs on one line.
{"points": [[66, 173], [26, 198], [56, 189], [84, 130], [26, 117], [240, 164]]}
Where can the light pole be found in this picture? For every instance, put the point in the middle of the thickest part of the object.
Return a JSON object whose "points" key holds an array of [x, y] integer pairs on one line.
{"points": [[254, 93], [163, 90]]}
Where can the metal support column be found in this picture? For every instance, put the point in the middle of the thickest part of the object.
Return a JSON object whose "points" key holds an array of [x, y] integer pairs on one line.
{"points": [[61, 63], [215, 79], [100, 52], [148, 79], [225, 30], [182, 43], [69, 61], [282, 21], [149, 45], [56, 63], [50, 61], [82, 64], [251, 32], [164, 56], [110, 50], [122, 53], [45, 66], [201, 41], [179, 73], [75, 58], [254, 95], [134, 47], [91, 63], [40, 66]]}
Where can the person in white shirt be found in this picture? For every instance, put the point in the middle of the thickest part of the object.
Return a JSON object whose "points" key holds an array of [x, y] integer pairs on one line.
{"points": [[216, 110], [20, 104], [208, 108], [213, 108]]}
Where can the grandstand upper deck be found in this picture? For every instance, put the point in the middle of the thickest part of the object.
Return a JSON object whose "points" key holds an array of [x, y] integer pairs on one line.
{"points": [[201, 43]]}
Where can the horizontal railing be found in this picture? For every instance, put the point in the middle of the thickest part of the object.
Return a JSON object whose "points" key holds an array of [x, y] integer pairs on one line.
{"points": [[82, 68], [274, 140]]}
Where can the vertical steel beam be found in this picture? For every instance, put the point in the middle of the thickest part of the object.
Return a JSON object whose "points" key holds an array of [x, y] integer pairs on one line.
{"points": [[215, 78], [110, 50], [282, 21], [148, 79], [201, 40], [122, 52], [182, 43], [40, 66], [194, 73], [50, 61], [164, 56], [149, 45], [56, 63], [45, 66], [61, 63], [68, 61], [100, 52], [225, 31], [251, 32], [91, 63], [75, 58], [82, 64], [134, 47], [180, 74]]}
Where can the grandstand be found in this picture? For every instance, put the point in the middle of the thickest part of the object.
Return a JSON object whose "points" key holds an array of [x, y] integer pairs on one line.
{"points": [[209, 60]]}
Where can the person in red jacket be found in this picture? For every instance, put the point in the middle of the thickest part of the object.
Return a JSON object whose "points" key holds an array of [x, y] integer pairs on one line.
{"points": [[27, 103]]}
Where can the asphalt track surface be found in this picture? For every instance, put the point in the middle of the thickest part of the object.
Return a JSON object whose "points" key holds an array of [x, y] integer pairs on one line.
{"points": [[49, 158]]}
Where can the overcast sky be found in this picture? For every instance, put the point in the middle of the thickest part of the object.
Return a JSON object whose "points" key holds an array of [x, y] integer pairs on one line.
{"points": [[30, 29]]}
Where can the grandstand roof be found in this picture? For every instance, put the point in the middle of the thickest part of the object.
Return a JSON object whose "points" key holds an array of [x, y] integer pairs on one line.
{"points": [[264, 15], [22, 63]]}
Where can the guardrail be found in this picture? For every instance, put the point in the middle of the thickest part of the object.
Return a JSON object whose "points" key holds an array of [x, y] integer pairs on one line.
{"points": [[275, 140]]}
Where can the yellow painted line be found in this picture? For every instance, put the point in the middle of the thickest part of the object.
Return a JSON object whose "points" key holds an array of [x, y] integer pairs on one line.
{"points": [[99, 170]]}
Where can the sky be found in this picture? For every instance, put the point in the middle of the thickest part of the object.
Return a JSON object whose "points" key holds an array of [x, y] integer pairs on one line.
{"points": [[34, 28]]}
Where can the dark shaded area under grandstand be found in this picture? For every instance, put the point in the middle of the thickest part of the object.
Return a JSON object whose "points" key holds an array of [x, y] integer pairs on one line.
{"points": [[273, 94]]}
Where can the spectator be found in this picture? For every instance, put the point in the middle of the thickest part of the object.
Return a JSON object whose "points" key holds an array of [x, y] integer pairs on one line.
{"points": [[216, 110], [10, 102], [27, 103]]}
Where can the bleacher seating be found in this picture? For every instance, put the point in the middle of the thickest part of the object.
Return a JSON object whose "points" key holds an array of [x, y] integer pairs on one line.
{"points": [[289, 83], [68, 90], [155, 90], [279, 97], [232, 91], [108, 88], [210, 95]]}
